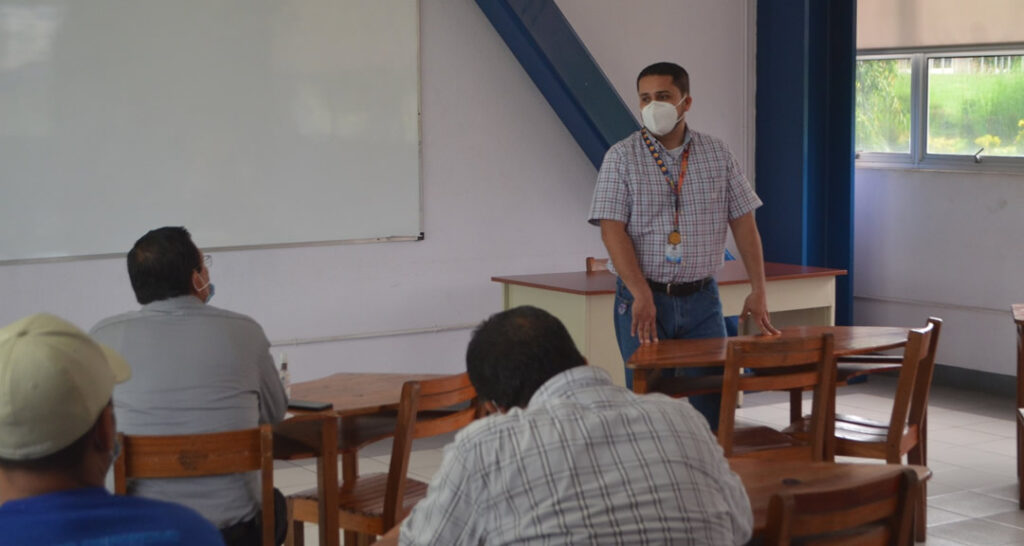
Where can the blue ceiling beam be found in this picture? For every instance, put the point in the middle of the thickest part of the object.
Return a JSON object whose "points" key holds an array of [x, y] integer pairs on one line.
{"points": [[559, 64]]}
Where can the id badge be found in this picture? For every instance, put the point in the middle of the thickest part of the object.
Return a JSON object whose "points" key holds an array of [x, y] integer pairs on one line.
{"points": [[673, 253]]}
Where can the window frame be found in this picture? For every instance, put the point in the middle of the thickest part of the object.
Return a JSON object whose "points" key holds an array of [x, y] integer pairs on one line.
{"points": [[918, 158]]}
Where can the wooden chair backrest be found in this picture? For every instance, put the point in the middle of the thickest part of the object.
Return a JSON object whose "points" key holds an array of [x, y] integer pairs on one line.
{"points": [[923, 377], [876, 512], [782, 363], [596, 264], [198, 455], [915, 374], [428, 408]]}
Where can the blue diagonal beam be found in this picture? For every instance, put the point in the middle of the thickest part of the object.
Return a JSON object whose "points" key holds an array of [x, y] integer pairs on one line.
{"points": [[559, 64]]}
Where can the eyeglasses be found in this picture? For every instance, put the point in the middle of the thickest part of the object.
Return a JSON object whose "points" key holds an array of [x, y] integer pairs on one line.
{"points": [[208, 260]]}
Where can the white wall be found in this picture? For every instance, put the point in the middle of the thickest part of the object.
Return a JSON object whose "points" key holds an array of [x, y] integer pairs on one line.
{"points": [[944, 244], [918, 23], [505, 191]]}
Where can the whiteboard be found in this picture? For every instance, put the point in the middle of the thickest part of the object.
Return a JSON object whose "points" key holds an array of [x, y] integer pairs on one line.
{"points": [[251, 122]]}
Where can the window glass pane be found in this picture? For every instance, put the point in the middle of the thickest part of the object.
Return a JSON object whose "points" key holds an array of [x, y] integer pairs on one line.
{"points": [[976, 102], [883, 105]]}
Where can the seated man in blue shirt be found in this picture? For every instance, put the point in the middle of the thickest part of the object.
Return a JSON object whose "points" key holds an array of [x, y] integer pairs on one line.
{"points": [[57, 442], [572, 458]]}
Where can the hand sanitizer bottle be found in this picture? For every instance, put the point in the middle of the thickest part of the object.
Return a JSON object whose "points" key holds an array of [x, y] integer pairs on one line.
{"points": [[286, 378]]}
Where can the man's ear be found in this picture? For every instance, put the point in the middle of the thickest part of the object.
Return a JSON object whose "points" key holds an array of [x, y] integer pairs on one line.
{"points": [[196, 280], [105, 433]]}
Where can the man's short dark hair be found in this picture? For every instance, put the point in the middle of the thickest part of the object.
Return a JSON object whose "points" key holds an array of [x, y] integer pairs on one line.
{"points": [[161, 263], [514, 352], [680, 77]]}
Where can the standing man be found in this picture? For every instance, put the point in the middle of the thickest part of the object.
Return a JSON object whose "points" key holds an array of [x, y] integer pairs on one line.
{"points": [[665, 196], [198, 369]]}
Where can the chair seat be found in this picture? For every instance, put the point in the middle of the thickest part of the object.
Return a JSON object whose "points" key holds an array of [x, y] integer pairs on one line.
{"points": [[747, 441], [365, 495], [853, 434], [846, 371]]}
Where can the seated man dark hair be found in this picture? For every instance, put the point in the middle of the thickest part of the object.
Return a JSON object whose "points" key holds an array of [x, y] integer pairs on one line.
{"points": [[573, 459], [198, 369], [57, 441], [161, 264], [515, 352]]}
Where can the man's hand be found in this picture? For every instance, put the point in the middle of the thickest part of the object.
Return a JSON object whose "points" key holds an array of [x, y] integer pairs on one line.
{"points": [[644, 318], [755, 308]]}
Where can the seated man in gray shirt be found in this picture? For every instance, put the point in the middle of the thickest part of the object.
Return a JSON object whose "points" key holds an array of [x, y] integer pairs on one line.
{"points": [[197, 369]]}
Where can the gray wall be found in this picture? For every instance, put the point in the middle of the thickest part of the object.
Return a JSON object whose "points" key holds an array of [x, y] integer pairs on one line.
{"points": [[946, 244]]}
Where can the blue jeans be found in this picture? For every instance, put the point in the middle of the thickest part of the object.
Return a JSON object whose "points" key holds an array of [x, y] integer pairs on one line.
{"points": [[698, 315]]}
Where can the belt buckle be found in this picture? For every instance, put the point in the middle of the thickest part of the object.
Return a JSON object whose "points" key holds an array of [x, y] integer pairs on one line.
{"points": [[668, 289]]}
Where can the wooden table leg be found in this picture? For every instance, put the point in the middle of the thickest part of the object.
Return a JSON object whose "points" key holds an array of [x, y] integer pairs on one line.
{"points": [[327, 487], [1020, 458], [641, 381], [349, 472]]}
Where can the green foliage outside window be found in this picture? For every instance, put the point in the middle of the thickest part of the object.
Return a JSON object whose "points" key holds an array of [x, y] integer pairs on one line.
{"points": [[973, 102], [977, 102], [883, 105]]}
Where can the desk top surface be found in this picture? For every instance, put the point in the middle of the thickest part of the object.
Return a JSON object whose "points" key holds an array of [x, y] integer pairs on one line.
{"points": [[681, 353], [603, 282], [1018, 312], [357, 393]]}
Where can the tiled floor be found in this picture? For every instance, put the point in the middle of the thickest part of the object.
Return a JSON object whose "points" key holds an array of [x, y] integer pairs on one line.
{"points": [[972, 496]]}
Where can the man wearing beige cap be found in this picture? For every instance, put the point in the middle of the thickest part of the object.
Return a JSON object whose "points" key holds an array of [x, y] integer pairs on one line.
{"points": [[57, 441]]}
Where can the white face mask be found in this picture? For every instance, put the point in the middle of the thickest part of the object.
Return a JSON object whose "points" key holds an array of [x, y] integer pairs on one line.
{"points": [[660, 117], [209, 295]]}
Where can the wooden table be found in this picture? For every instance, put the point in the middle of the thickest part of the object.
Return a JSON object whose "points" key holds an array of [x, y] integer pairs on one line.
{"points": [[763, 478], [365, 404], [584, 302], [357, 393], [689, 353], [1018, 318]]}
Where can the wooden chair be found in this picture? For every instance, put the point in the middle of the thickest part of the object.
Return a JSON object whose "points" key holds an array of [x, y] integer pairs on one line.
{"points": [[906, 431], [853, 366], [878, 512], [198, 455], [596, 264], [369, 505], [784, 363]]}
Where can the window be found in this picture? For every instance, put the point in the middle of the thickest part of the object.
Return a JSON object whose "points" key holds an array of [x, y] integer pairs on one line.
{"points": [[941, 108], [883, 105]]}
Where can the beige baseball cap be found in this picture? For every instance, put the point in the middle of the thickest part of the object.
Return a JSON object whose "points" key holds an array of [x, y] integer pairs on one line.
{"points": [[54, 382]]}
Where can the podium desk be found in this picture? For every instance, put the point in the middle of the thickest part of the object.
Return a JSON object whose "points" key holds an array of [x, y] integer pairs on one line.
{"points": [[584, 301]]}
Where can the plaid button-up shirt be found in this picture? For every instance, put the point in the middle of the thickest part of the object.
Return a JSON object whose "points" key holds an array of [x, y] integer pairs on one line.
{"points": [[632, 189], [587, 462]]}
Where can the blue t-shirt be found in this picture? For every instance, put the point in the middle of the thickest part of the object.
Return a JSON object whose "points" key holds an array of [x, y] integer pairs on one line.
{"points": [[94, 517]]}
